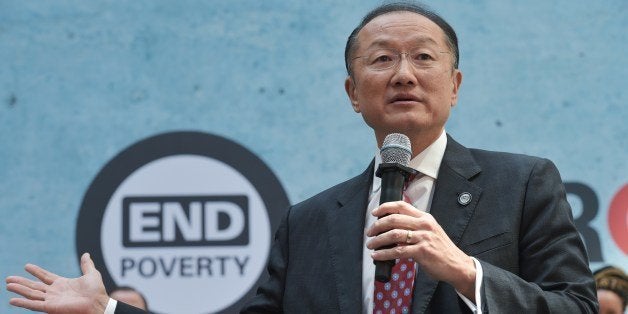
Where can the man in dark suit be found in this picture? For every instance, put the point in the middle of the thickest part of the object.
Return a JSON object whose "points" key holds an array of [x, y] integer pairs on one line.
{"points": [[494, 232], [481, 231]]}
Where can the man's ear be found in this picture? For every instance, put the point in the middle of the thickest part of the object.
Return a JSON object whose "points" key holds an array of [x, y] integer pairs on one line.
{"points": [[350, 89], [456, 80]]}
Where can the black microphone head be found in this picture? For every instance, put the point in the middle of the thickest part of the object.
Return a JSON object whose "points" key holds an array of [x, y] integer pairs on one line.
{"points": [[396, 149]]}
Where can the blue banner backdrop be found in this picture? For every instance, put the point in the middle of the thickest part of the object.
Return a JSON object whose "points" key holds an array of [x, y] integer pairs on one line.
{"points": [[82, 80]]}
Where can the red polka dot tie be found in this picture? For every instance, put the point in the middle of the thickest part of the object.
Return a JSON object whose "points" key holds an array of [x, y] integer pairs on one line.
{"points": [[395, 296]]}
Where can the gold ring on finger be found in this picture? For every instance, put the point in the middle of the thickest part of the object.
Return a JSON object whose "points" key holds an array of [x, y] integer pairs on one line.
{"points": [[409, 236]]}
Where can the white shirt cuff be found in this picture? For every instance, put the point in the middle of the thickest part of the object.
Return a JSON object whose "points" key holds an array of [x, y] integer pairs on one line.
{"points": [[477, 307], [111, 306]]}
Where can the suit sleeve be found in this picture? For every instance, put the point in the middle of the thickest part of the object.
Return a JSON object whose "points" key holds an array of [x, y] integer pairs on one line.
{"points": [[554, 276], [269, 297], [123, 308]]}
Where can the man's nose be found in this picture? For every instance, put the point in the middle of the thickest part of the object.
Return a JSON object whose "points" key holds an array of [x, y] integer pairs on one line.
{"points": [[404, 71]]}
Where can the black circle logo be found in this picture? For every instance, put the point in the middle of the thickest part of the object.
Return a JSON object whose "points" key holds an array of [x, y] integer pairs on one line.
{"points": [[184, 217]]}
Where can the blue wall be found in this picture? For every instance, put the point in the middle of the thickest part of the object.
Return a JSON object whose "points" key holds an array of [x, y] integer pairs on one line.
{"points": [[82, 80]]}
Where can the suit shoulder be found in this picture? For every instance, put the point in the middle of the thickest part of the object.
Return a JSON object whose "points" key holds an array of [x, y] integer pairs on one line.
{"points": [[504, 159], [338, 191], [334, 196], [512, 164]]}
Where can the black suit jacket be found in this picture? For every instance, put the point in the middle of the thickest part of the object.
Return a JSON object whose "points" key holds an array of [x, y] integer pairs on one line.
{"points": [[518, 225], [123, 308]]}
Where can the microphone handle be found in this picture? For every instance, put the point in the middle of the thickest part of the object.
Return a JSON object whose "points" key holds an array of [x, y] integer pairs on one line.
{"points": [[393, 179]]}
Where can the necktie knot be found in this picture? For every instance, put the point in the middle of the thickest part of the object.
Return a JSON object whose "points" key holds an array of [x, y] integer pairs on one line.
{"points": [[411, 178]]}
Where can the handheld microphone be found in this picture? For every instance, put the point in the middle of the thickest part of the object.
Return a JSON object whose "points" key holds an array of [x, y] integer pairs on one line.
{"points": [[393, 170]]}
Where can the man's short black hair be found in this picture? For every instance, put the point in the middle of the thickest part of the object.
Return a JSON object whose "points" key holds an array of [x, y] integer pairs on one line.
{"points": [[452, 39]]}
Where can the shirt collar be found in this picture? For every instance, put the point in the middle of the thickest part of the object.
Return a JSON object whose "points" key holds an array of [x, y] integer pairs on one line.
{"points": [[426, 162]]}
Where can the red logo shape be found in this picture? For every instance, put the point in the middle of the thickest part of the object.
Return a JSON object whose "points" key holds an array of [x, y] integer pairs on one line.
{"points": [[618, 218]]}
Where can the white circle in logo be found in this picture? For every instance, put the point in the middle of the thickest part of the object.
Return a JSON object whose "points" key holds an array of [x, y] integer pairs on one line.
{"points": [[188, 231]]}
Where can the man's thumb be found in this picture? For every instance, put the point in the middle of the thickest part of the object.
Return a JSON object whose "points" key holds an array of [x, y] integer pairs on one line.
{"points": [[87, 265]]}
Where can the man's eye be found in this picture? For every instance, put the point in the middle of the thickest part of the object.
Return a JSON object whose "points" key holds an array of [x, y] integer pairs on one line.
{"points": [[381, 59], [423, 57]]}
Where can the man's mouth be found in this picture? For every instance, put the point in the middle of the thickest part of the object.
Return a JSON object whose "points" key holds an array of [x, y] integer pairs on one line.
{"points": [[403, 98]]}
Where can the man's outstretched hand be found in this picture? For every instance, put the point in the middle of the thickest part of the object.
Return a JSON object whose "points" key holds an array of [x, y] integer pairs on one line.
{"points": [[55, 294]]}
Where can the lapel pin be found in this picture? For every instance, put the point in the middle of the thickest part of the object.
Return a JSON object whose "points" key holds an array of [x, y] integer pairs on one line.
{"points": [[464, 198]]}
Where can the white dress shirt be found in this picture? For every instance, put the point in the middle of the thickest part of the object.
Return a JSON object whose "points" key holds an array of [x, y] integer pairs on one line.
{"points": [[421, 191]]}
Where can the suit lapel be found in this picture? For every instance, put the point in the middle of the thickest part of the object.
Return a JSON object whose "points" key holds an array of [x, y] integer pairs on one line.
{"points": [[345, 233], [457, 167]]}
